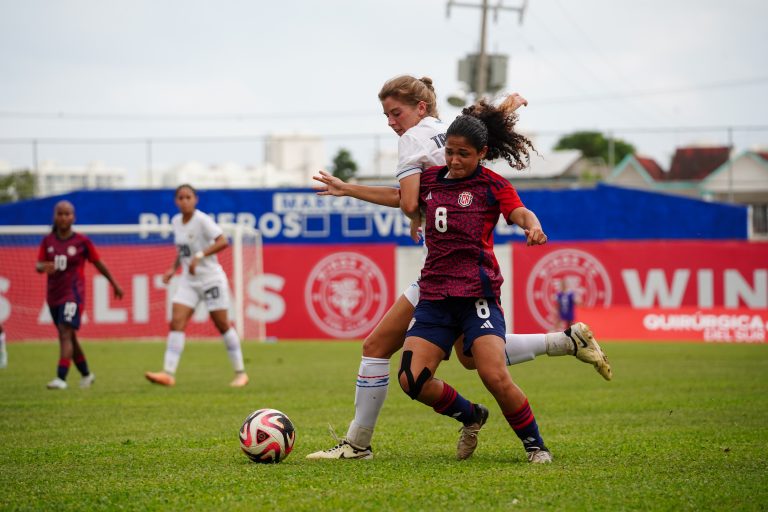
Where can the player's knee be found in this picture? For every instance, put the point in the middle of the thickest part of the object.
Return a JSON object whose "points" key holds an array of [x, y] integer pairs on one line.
{"points": [[496, 381], [410, 385], [467, 362], [380, 347]]}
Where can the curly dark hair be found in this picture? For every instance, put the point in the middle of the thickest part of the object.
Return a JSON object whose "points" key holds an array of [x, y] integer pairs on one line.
{"points": [[496, 130]]}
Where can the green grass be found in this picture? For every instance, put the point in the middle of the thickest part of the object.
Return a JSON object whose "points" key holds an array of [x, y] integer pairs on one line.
{"points": [[682, 427]]}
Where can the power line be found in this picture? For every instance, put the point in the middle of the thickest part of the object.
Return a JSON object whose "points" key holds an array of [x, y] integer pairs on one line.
{"points": [[256, 138], [70, 116], [725, 84]]}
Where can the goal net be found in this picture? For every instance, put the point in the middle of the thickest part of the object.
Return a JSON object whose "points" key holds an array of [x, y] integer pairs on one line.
{"points": [[137, 256]]}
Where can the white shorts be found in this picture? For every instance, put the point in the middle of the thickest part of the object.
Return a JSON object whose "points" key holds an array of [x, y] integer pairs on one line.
{"points": [[412, 293], [214, 291]]}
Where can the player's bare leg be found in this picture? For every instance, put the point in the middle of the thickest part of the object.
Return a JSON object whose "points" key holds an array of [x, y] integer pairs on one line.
{"points": [[66, 332], [372, 383], [174, 346], [511, 399], [578, 340], [87, 377], [418, 364], [220, 319]]}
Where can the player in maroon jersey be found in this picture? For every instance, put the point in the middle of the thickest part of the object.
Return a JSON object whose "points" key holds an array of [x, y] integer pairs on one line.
{"points": [[62, 257], [461, 280]]}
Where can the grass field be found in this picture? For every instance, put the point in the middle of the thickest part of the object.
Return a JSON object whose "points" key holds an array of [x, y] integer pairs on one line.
{"points": [[682, 427]]}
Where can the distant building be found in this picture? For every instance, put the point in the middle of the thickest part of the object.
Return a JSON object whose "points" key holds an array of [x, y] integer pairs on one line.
{"points": [[566, 168], [295, 157], [555, 169], [709, 173], [226, 175], [53, 178]]}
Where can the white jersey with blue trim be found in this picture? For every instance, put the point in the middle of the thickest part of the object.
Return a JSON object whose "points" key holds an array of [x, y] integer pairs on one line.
{"points": [[421, 147], [196, 235]]}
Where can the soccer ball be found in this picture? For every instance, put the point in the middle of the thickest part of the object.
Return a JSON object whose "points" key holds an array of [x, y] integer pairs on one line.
{"points": [[267, 436]]}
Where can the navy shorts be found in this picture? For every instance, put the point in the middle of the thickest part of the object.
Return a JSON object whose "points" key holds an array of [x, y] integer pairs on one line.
{"points": [[67, 313], [441, 322]]}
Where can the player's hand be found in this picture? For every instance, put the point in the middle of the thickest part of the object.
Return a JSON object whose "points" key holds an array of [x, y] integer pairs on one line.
{"points": [[168, 275], [48, 267], [513, 102], [331, 185], [416, 233], [118, 291], [192, 266], [535, 236]]}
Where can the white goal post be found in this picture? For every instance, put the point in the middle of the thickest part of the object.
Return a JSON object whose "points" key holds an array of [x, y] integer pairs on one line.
{"points": [[136, 255]]}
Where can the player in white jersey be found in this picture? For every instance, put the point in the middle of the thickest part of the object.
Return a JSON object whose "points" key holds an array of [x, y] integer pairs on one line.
{"points": [[410, 106], [198, 238]]}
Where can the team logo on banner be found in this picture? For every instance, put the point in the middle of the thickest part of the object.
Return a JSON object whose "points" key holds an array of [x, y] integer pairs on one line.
{"points": [[346, 295], [465, 199], [581, 272]]}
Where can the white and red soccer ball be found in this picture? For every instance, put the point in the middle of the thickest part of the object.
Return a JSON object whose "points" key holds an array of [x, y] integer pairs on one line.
{"points": [[267, 436]]}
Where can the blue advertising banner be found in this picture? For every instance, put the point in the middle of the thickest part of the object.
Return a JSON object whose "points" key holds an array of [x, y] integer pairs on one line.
{"points": [[301, 216]]}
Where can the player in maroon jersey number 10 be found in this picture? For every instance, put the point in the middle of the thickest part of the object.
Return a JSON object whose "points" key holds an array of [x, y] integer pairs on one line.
{"points": [[62, 257]]}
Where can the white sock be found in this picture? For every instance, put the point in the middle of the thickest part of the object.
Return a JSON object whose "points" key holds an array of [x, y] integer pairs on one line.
{"points": [[523, 347], [235, 353], [559, 344], [173, 349], [370, 393]]}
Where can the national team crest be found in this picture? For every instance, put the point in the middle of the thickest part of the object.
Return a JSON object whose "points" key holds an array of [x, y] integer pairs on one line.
{"points": [[465, 199], [346, 295], [584, 274]]}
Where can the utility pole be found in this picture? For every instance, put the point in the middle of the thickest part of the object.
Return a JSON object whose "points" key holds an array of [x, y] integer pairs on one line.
{"points": [[481, 78]]}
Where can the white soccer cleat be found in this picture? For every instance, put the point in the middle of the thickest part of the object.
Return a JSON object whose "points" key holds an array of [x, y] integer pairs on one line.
{"points": [[57, 383], [539, 457], [87, 380], [587, 349], [343, 450]]}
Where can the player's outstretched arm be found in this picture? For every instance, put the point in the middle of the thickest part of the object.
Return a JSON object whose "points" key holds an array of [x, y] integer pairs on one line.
{"points": [[333, 186], [526, 219], [106, 273]]}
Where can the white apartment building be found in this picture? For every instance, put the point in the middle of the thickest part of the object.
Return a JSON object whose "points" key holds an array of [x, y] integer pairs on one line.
{"points": [[296, 157], [53, 179], [226, 175]]}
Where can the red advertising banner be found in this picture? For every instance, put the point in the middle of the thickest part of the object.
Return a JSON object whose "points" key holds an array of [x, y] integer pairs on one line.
{"points": [[716, 291], [313, 291], [682, 324]]}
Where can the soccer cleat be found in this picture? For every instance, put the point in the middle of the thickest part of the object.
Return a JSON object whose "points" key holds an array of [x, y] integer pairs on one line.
{"points": [[468, 439], [240, 380], [161, 378], [87, 380], [586, 349], [539, 456], [57, 383], [343, 450]]}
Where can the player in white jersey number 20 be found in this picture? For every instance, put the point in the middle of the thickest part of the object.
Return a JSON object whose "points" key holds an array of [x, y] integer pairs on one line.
{"points": [[197, 239]]}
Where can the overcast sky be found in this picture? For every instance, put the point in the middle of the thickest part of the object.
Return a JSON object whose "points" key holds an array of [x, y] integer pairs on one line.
{"points": [[138, 68]]}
